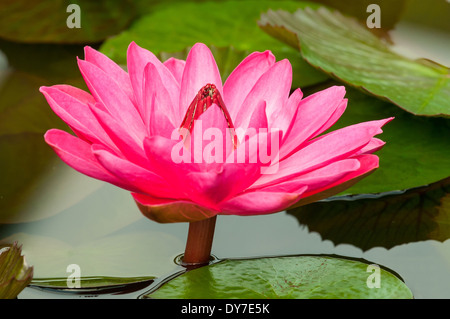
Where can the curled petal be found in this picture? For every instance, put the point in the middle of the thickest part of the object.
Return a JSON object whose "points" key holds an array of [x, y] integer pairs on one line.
{"points": [[171, 210]]}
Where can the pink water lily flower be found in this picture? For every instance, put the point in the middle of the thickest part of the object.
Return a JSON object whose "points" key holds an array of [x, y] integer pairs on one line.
{"points": [[129, 132]]}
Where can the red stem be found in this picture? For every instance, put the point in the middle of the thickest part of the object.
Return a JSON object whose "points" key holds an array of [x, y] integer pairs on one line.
{"points": [[199, 242]]}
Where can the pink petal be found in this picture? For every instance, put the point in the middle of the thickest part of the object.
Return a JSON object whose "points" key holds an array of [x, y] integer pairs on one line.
{"points": [[374, 145], [368, 163], [333, 118], [318, 178], [311, 117], [232, 177], [200, 69], [109, 93], [143, 180], [137, 60], [259, 203], [283, 116], [214, 186], [130, 145], [111, 68], [81, 95], [210, 134], [272, 87], [158, 109], [326, 149], [162, 155], [176, 67], [78, 155], [258, 122], [171, 211], [73, 110], [243, 78]]}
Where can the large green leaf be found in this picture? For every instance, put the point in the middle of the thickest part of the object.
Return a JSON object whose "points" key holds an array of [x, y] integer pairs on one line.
{"points": [[38, 21], [417, 149], [172, 28], [348, 51], [391, 10], [303, 277], [385, 220]]}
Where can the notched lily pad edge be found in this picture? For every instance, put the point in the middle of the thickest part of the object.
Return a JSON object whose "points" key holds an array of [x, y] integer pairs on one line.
{"points": [[290, 38]]}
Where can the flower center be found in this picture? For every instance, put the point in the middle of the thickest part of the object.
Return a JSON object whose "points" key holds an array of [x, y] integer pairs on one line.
{"points": [[207, 96]]}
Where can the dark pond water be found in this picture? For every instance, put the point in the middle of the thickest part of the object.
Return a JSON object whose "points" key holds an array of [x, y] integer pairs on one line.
{"points": [[62, 217]]}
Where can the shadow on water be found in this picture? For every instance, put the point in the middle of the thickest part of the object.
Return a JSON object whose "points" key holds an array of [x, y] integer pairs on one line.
{"points": [[381, 220]]}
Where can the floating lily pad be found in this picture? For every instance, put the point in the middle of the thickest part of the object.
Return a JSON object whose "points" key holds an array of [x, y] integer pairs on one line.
{"points": [[172, 28], [385, 220], [391, 10], [46, 21], [347, 50], [94, 284], [301, 277]]}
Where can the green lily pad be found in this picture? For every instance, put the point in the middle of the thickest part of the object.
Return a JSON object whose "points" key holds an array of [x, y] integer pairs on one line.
{"points": [[298, 277], [172, 28], [347, 50], [417, 149], [46, 21], [385, 220], [97, 285], [15, 274], [391, 10]]}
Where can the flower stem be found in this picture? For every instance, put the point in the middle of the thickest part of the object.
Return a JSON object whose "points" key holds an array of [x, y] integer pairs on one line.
{"points": [[199, 242]]}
